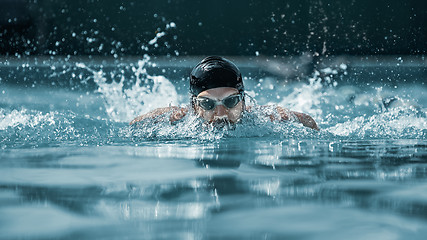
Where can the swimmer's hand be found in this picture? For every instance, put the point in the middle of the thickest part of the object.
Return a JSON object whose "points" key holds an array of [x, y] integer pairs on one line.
{"points": [[177, 113], [305, 119]]}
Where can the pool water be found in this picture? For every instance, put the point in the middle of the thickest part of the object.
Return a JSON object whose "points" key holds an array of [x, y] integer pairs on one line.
{"points": [[72, 168]]}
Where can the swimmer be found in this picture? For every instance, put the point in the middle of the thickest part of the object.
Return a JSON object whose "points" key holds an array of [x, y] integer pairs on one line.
{"points": [[218, 97]]}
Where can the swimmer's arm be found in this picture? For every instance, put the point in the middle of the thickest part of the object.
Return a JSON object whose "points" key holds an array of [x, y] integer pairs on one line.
{"points": [[287, 115], [305, 119], [177, 113]]}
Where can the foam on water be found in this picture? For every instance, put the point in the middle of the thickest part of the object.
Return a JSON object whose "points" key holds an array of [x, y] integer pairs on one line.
{"points": [[22, 118], [30, 128], [400, 122]]}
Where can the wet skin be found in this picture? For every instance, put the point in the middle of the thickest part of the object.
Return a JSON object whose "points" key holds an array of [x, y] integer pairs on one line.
{"points": [[223, 114]]}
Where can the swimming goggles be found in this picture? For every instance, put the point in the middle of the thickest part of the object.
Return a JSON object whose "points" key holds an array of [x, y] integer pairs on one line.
{"points": [[228, 102]]}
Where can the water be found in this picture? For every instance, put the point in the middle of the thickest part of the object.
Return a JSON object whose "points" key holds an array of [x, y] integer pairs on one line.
{"points": [[72, 167]]}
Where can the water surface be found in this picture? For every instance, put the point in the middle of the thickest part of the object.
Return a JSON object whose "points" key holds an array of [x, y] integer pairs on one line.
{"points": [[71, 167]]}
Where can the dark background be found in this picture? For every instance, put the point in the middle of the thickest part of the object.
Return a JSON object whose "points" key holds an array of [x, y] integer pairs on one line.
{"points": [[275, 27]]}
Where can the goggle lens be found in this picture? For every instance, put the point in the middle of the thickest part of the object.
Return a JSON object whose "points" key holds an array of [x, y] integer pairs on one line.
{"points": [[231, 102], [207, 104]]}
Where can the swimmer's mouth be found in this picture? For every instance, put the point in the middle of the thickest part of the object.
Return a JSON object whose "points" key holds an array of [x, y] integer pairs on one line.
{"points": [[221, 123]]}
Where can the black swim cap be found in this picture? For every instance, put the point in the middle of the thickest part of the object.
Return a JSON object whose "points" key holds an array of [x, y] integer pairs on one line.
{"points": [[213, 72]]}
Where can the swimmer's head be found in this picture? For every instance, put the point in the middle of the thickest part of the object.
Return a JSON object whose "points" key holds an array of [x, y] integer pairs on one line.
{"points": [[217, 91], [214, 72]]}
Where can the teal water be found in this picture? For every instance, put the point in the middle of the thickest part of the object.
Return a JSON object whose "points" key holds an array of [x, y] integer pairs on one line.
{"points": [[72, 168]]}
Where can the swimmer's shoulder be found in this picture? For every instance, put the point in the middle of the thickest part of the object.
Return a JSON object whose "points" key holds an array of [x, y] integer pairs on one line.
{"points": [[176, 113]]}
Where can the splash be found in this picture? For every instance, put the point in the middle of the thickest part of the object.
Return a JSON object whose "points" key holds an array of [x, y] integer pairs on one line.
{"points": [[309, 97], [146, 93], [23, 118], [30, 128], [358, 112], [129, 97], [399, 122], [306, 97], [341, 111], [23, 128]]}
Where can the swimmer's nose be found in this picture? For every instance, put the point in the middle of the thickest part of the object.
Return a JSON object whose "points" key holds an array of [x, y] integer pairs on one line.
{"points": [[220, 110]]}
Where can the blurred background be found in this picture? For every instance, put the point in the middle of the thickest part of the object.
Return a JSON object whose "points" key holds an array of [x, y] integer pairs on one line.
{"points": [[288, 39], [239, 28]]}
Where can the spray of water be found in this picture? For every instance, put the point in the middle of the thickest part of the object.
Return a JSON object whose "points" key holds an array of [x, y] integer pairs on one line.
{"points": [[148, 92]]}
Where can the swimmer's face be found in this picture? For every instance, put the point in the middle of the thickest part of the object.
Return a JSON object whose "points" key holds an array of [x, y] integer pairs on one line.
{"points": [[220, 113]]}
